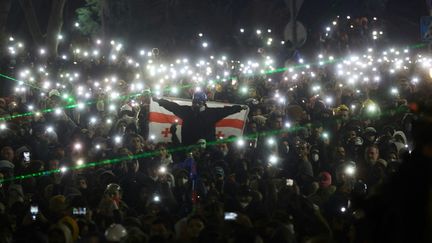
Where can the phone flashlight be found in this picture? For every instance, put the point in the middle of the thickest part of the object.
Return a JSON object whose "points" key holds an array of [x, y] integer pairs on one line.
{"points": [[230, 216], [34, 210]]}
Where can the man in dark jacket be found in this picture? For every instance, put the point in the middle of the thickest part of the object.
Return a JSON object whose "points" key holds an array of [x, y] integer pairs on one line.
{"points": [[198, 120]]}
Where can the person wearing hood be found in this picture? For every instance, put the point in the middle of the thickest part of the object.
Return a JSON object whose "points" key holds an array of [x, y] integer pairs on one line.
{"points": [[199, 120]]}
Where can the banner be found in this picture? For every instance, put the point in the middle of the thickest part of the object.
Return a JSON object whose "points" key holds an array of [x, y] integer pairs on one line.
{"points": [[160, 121]]}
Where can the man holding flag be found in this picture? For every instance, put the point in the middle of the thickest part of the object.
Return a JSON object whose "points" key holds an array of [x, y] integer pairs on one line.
{"points": [[199, 121]]}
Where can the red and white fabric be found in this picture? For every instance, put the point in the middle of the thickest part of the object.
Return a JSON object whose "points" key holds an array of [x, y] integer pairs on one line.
{"points": [[160, 121]]}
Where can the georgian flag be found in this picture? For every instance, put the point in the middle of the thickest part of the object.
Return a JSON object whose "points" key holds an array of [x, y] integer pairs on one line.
{"points": [[160, 121]]}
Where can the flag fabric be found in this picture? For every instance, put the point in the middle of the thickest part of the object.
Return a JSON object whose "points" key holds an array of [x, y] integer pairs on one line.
{"points": [[160, 121]]}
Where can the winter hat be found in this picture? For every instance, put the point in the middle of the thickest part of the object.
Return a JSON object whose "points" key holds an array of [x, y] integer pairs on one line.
{"points": [[22, 149], [370, 130], [5, 164]]}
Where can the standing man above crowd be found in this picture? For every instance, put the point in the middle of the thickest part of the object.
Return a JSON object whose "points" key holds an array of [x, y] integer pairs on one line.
{"points": [[199, 120]]}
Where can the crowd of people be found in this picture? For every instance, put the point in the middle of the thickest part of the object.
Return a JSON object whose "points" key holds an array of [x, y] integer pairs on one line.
{"points": [[308, 169]]}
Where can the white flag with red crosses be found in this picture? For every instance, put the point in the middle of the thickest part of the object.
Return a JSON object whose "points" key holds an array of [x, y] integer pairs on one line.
{"points": [[160, 121]]}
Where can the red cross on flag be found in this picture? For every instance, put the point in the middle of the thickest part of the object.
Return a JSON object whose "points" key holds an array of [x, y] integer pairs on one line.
{"points": [[160, 121]]}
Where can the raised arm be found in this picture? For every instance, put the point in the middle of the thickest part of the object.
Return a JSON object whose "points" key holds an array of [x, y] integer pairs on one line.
{"points": [[220, 113], [175, 108]]}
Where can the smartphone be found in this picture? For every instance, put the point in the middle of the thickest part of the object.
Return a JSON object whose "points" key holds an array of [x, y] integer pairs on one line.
{"points": [[34, 210], [26, 156], [230, 216], [79, 211]]}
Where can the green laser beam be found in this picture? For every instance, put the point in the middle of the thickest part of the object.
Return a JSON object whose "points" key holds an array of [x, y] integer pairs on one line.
{"points": [[271, 71], [178, 149], [145, 155]]}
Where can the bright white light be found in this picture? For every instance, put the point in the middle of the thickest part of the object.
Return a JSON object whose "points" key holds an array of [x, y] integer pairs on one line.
{"points": [[63, 169], [325, 135], [117, 139], [156, 198], [200, 34], [329, 100], [273, 159], [350, 170], [77, 146], [57, 111], [80, 106], [162, 170], [174, 90], [372, 108], [152, 137], [60, 37], [343, 209], [2, 126], [50, 129], [271, 141], [80, 162], [205, 44], [240, 142], [42, 51], [244, 89], [287, 124], [258, 32], [77, 24], [93, 120], [242, 30]]}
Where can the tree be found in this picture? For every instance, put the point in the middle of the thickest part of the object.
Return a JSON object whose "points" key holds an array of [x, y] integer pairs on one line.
{"points": [[90, 17], [4, 12], [49, 39]]}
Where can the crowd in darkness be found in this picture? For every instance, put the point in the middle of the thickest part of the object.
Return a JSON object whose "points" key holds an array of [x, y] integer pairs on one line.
{"points": [[353, 169]]}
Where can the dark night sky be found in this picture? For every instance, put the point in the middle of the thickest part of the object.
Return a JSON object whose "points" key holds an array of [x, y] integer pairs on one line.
{"points": [[402, 15]]}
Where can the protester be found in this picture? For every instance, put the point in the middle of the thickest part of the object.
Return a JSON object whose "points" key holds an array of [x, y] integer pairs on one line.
{"points": [[316, 162]]}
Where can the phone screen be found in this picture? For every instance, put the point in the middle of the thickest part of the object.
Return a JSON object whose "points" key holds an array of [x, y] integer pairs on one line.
{"points": [[34, 210], [230, 216], [26, 156], [79, 211]]}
